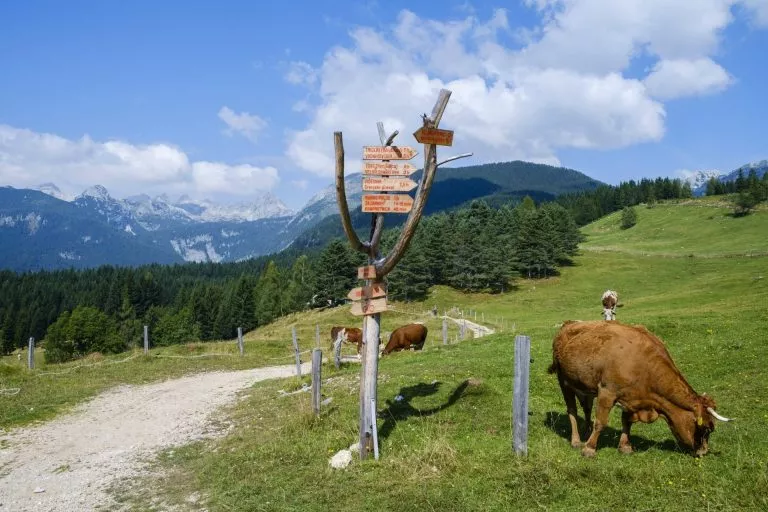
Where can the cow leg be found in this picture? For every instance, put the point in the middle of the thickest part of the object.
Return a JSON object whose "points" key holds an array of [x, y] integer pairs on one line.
{"points": [[570, 406], [586, 405], [605, 401], [626, 424]]}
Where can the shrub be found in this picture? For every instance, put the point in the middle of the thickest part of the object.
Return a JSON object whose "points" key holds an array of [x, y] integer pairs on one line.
{"points": [[628, 217]]}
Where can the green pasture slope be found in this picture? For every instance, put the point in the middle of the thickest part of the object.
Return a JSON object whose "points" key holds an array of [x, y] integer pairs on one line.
{"points": [[683, 271]]}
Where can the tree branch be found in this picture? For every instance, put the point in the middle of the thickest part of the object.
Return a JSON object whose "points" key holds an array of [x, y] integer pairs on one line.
{"points": [[463, 155], [383, 267], [341, 196]]}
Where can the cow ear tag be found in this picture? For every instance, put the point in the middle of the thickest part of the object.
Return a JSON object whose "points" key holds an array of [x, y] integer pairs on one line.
{"points": [[699, 421]]}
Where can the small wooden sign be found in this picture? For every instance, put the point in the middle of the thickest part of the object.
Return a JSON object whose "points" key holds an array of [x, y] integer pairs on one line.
{"points": [[368, 292], [388, 169], [383, 203], [388, 184], [388, 153], [434, 136], [367, 272], [369, 307]]}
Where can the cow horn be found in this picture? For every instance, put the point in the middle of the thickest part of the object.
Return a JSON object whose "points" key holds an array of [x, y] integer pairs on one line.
{"points": [[713, 413]]}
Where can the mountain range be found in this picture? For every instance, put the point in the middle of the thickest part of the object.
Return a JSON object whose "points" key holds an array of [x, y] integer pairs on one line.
{"points": [[699, 180], [42, 229]]}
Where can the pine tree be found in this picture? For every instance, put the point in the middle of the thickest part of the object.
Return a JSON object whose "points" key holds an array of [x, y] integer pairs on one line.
{"points": [[628, 217], [336, 272], [269, 291]]}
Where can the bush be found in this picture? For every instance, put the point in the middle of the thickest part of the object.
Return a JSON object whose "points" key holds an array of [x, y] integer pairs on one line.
{"points": [[628, 217]]}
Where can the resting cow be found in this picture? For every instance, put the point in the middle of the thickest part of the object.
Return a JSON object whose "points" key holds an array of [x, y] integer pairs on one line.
{"points": [[610, 300], [349, 334], [629, 366], [406, 336]]}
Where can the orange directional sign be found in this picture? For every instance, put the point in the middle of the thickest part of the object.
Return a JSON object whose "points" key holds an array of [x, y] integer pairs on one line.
{"points": [[388, 169], [367, 272], [434, 136], [383, 203], [369, 307], [368, 292], [388, 184], [388, 153]]}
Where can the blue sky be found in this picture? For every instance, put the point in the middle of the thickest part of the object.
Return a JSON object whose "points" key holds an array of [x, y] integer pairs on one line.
{"points": [[226, 100]]}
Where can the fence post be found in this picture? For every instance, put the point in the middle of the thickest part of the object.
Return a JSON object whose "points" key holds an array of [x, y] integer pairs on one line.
{"points": [[337, 352], [317, 364], [240, 340], [520, 395], [31, 354], [463, 329], [374, 430], [146, 339], [445, 331], [296, 351], [317, 335]]}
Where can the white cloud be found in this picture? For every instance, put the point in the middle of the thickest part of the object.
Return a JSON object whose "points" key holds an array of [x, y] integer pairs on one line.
{"points": [[759, 8], [566, 85], [300, 184], [301, 73], [28, 158], [679, 78], [247, 125]]}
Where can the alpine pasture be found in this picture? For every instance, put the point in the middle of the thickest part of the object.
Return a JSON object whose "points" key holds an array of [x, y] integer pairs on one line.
{"points": [[690, 272]]}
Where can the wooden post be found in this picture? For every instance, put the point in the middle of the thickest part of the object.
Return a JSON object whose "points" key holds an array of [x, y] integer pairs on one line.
{"points": [[520, 395], [240, 341], [31, 354], [374, 431], [445, 331], [430, 136], [337, 353], [463, 329], [146, 339], [317, 364], [317, 335], [296, 351]]}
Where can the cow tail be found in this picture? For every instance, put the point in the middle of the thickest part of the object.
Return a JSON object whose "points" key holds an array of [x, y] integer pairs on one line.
{"points": [[553, 367]]}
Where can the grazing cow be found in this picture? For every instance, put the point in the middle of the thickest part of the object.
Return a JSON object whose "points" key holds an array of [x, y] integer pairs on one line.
{"points": [[610, 301], [349, 334], [629, 366], [406, 336]]}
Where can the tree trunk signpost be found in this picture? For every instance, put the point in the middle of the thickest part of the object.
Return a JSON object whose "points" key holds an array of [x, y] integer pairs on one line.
{"points": [[384, 177]]}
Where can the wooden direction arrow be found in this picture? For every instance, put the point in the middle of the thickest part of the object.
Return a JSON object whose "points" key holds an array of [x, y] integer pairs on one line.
{"points": [[388, 169], [434, 136], [388, 153], [383, 203], [388, 184], [367, 272], [369, 307], [368, 292]]}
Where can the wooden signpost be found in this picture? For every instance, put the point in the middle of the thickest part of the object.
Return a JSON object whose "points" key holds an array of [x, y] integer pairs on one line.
{"points": [[434, 136], [388, 184], [371, 298], [382, 203], [388, 169]]}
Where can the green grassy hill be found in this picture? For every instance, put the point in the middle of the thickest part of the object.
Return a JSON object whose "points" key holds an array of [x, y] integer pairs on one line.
{"points": [[684, 271]]}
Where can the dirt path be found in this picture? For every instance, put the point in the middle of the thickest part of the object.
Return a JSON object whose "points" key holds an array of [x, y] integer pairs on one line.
{"points": [[478, 330], [67, 464]]}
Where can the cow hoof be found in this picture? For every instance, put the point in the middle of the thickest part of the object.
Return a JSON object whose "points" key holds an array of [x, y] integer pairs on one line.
{"points": [[576, 444], [588, 452], [625, 449]]}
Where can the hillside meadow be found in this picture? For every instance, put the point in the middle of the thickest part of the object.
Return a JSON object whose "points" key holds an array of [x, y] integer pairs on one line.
{"points": [[447, 445]]}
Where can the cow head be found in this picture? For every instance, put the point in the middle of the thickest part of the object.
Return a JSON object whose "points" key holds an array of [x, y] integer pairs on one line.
{"points": [[694, 434], [609, 314]]}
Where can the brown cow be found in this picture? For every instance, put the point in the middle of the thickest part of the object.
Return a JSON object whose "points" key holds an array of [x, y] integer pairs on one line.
{"points": [[351, 335], [610, 300], [628, 365], [405, 336]]}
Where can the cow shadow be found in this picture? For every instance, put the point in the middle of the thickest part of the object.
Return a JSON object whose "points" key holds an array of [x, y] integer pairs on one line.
{"points": [[609, 437], [401, 410]]}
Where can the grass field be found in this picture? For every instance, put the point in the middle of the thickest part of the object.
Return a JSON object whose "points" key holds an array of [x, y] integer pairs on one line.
{"points": [[447, 446]]}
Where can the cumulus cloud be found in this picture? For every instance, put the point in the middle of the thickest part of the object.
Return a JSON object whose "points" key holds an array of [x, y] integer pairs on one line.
{"points": [[245, 124], [28, 158], [679, 78], [567, 82]]}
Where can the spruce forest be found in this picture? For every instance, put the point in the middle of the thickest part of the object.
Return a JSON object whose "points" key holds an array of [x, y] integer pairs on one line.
{"points": [[476, 248]]}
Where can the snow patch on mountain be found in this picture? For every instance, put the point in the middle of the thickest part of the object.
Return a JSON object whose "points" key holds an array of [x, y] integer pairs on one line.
{"points": [[52, 190], [189, 249]]}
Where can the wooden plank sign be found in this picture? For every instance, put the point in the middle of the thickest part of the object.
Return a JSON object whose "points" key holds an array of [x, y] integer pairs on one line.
{"points": [[367, 272], [388, 153], [383, 203], [369, 307], [434, 136], [388, 184], [388, 169], [368, 292]]}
